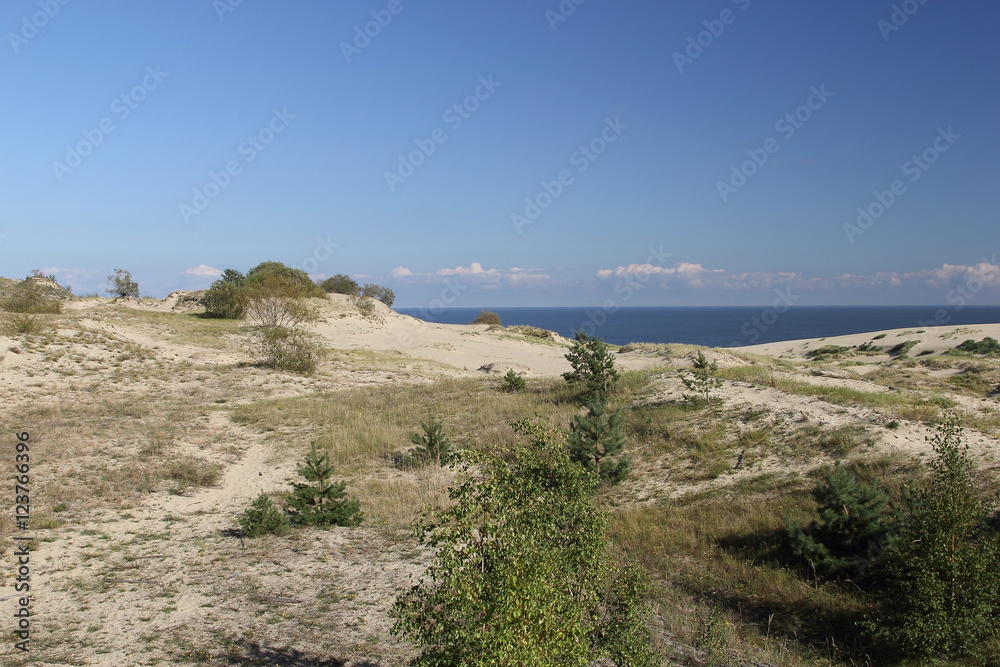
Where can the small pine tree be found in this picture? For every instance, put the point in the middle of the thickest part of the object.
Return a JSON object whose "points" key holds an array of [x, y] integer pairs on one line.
{"points": [[596, 441], [322, 503], [263, 518], [593, 364], [853, 523], [512, 382], [943, 584], [433, 445], [702, 379]]}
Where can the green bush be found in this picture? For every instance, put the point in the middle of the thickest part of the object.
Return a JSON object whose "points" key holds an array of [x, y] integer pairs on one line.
{"points": [[284, 348], [487, 317], [943, 580], [263, 518], [901, 350], [383, 294], [854, 521], [365, 306], [521, 573], [122, 285], [27, 297], [593, 365], [596, 441], [828, 351], [341, 284], [227, 298], [322, 502], [987, 345], [294, 282], [512, 382], [868, 348]]}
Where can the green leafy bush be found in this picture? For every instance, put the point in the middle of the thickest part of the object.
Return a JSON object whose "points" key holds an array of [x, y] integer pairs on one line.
{"points": [[487, 317], [854, 522], [227, 297], [521, 573], [943, 582], [596, 441], [593, 365], [341, 284], [122, 285], [321, 502], [383, 294], [512, 382], [263, 518], [294, 282], [284, 348]]}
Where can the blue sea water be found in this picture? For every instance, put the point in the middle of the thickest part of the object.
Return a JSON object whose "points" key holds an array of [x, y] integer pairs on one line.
{"points": [[721, 326]]}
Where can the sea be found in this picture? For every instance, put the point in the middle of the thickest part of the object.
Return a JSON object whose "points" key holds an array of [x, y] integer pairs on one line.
{"points": [[720, 326]]}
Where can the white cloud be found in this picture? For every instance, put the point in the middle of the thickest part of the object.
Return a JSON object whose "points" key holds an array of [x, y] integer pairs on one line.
{"points": [[203, 270]]}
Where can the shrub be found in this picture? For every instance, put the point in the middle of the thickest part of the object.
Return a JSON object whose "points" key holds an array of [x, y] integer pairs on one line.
{"points": [[487, 317], [868, 348], [27, 297], [596, 441], [433, 445], [383, 294], [593, 365], [702, 379], [341, 284], [846, 541], [122, 285], [827, 351], [284, 348], [227, 297], [987, 345], [275, 302], [296, 282], [901, 350], [322, 503], [943, 585], [26, 324], [521, 573], [512, 382], [263, 518], [365, 306]]}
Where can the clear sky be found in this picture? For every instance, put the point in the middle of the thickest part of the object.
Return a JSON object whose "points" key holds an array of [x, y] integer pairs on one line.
{"points": [[523, 152]]}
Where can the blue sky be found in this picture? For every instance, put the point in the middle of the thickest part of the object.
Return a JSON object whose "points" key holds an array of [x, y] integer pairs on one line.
{"points": [[526, 152]]}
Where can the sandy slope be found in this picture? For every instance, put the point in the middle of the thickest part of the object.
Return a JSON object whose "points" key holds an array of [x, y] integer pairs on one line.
{"points": [[114, 587]]}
